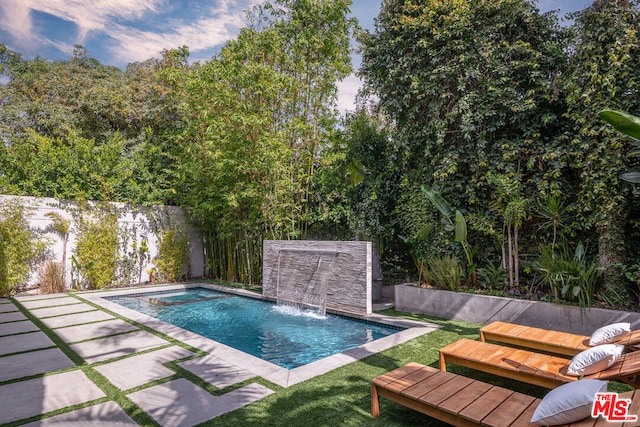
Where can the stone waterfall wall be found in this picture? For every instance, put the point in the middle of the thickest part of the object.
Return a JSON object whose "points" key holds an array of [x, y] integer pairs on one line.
{"points": [[348, 272]]}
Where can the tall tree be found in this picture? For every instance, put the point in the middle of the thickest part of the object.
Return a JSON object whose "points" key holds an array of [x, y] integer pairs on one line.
{"points": [[471, 86], [310, 45], [66, 124], [256, 118], [603, 74]]}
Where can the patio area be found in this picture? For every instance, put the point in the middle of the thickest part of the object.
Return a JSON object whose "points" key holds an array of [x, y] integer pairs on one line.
{"points": [[76, 359]]}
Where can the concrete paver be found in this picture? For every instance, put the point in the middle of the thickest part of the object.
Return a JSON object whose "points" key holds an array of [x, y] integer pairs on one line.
{"points": [[107, 414], [61, 310], [182, 403], [215, 371], [24, 342], [17, 327], [49, 302], [33, 363], [94, 330], [28, 398], [39, 297], [117, 345], [8, 307], [76, 319], [137, 370], [12, 316]]}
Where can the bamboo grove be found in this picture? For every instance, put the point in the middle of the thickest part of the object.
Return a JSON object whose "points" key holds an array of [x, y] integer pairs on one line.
{"points": [[490, 104]]}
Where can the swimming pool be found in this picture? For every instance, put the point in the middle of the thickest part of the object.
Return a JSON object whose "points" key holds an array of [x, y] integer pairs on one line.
{"points": [[260, 328]]}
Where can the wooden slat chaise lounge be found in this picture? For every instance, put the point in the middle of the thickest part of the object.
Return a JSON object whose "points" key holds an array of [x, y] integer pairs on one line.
{"points": [[545, 339], [527, 366], [462, 401]]}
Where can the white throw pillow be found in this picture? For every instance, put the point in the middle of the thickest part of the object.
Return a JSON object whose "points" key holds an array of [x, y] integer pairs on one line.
{"points": [[568, 403], [595, 359], [609, 333]]}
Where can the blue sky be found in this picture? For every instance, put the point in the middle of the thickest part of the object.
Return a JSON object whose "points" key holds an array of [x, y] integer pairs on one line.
{"points": [[117, 32]]}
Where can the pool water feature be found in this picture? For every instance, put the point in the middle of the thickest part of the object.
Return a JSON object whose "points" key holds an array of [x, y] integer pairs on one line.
{"points": [[304, 282], [283, 336]]}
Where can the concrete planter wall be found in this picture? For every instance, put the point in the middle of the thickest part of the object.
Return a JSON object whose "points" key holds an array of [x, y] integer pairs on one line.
{"points": [[484, 309]]}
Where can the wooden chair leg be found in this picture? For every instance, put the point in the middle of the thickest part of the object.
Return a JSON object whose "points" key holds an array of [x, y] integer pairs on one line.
{"points": [[375, 401]]}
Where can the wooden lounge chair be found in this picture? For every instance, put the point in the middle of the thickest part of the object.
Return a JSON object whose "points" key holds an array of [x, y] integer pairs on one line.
{"points": [[545, 339], [527, 366], [462, 401]]}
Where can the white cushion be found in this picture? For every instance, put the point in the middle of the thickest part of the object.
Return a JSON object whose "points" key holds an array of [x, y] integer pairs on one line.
{"points": [[595, 359], [568, 403], [609, 333]]}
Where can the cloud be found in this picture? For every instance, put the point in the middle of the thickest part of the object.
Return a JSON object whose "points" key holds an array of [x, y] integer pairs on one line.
{"points": [[135, 29], [15, 19], [347, 91], [132, 44], [98, 15]]}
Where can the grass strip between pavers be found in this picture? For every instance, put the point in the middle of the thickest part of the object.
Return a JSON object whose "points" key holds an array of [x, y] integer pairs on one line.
{"points": [[59, 342], [112, 392]]}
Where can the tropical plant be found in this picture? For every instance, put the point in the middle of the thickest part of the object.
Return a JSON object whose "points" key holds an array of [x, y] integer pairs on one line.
{"points": [[492, 276], [454, 221], [570, 272], [444, 273], [630, 126], [511, 205], [552, 210], [77, 281], [143, 255]]}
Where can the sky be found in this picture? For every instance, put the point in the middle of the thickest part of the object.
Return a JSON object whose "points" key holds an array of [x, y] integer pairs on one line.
{"points": [[118, 32]]}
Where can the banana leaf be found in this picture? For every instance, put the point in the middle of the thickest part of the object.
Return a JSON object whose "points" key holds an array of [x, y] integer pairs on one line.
{"points": [[624, 122], [461, 227], [441, 204]]}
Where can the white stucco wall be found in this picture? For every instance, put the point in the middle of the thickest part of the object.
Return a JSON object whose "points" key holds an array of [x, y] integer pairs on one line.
{"points": [[138, 222]]}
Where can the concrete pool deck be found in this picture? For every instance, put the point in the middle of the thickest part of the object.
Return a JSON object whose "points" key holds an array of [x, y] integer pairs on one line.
{"points": [[63, 358]]}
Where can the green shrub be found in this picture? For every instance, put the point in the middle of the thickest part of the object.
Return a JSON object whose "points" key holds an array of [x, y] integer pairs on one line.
{"points": [[570, 273], [173, 254], [97, 249], [444, 272], [20, 246], [492, 276]]}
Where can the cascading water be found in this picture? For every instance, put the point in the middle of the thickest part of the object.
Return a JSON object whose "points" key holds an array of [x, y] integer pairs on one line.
{"points": [[301, 279]]}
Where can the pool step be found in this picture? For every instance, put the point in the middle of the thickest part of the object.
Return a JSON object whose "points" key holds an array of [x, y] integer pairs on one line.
{"points": [[165, 303]]}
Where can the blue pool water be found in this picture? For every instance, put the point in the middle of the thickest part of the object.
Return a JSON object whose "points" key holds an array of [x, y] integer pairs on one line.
{"points": [[279, 335]]}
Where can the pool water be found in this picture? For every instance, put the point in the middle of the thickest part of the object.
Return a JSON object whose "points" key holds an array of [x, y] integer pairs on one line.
{"points": [[286, 337]]}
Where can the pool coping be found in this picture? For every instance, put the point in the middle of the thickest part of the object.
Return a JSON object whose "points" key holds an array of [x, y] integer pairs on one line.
{"points": [[261, 368]]}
